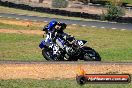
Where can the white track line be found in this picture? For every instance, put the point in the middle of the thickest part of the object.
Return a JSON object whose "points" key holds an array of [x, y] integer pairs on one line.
{"points": [[103, 27], [113, 28], [123, 29], [45, 21], [83, 25], [74, 24], [17, 18], [112, 22], [93, 26]]}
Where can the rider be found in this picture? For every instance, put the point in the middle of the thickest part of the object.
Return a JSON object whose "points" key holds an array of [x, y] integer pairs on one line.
{"points": [[61, 36], [55, 33], [49, 30]]}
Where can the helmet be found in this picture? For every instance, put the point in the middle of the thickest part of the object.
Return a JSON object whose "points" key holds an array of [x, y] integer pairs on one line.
{"points": [[63, 26], [49, 26]]}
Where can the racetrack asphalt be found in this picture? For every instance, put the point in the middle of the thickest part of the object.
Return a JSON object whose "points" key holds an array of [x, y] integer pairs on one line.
{"points": [[94, 24], [65, 62]]}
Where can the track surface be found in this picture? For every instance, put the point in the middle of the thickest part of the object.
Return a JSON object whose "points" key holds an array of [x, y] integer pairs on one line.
{"points": [[122, 26], [64, 62]]}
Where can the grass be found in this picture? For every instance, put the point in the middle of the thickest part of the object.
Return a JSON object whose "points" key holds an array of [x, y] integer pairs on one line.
{"points": [[18, 27], [128, 1], [11, 23], [69, 83], [112, 45], [20, 47], [33, 13]]}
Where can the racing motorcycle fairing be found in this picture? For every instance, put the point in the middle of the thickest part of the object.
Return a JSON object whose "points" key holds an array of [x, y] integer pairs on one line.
{"points": [[45, 44], [81, 42], [42, 44]]}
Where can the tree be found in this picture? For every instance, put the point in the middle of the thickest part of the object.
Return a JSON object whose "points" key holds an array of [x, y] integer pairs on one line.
{"points": [[114, 10]]}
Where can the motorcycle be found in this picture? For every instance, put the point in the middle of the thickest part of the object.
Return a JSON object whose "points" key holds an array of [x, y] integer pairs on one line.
{"points": [[74, 51]]}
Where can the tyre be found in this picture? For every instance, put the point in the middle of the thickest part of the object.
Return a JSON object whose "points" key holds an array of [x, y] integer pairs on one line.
{"points": [[81, 80], [72, 59], [48, 55], [90, 54]]}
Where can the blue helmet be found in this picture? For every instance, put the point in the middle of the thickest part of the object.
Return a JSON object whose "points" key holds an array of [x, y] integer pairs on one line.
{"points": [[50, 26]]}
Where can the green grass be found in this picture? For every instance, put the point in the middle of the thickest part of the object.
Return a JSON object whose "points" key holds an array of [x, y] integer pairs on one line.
{"points": [[33, 13], [19, 27], [128, 1], [20, 47], [124, 1], [112, 45], [69, 83]]}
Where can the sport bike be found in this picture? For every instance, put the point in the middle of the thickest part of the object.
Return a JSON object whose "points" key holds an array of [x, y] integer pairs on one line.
{"points": [[74, 50]]}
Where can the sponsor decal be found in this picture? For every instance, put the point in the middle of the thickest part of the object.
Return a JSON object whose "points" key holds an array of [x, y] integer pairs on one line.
{"points": [[84, 78]]}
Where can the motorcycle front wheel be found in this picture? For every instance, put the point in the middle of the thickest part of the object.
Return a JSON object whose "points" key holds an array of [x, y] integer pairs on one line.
{"points": [[48, 55]]}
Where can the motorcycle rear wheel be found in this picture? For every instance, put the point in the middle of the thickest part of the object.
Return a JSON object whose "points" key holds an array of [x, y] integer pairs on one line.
{"points": [[91, 54]]}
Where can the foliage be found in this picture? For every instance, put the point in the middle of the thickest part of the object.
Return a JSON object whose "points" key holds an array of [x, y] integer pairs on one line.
{"points": [[116, 2], [114, 11]]}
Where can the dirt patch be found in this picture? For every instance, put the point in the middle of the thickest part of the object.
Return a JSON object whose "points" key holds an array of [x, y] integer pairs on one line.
{"points": [[38, 32], [57, 71], [22, 23]]}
